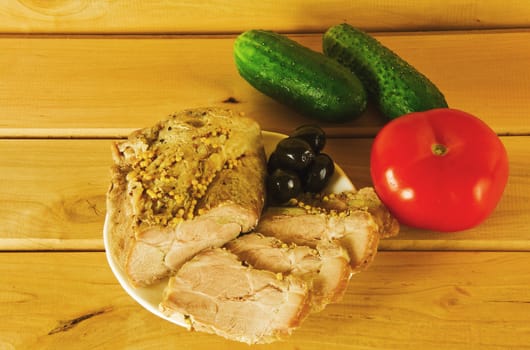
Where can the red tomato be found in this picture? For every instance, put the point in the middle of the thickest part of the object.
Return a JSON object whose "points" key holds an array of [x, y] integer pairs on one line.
{"points": [[442, 169]]}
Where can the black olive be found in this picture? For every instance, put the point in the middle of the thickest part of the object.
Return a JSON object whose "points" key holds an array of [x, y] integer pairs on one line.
{"points": [[319, 173], [272, 163], [313, 135], [294, 154], [283, 185]]}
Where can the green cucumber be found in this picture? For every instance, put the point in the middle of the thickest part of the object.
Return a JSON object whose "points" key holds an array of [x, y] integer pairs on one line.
{"points": [[396, 86], [296, 76]]}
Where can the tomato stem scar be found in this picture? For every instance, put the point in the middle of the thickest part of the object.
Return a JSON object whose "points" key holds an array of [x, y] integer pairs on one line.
{"points": [[438, 149]]}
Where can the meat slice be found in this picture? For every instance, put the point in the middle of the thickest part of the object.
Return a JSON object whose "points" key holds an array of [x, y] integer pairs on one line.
{"points": [[193, 181], [325, 269], [352, 220], [216, 293], [363, 199]]}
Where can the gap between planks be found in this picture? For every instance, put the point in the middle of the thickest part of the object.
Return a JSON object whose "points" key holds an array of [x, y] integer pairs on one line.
{"points": [[50, 244], [121, 133], [97, 245], [65, 133], [232, 34]]}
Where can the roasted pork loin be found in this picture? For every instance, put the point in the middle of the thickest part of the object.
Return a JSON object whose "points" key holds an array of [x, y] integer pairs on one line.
{"points": [[325, 268], [193, 181], [186, 201], [355, 220], [216, 293]]}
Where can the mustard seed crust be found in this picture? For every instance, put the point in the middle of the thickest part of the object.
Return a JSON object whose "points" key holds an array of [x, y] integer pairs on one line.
{"points": [[169, 167], [182, 168]]}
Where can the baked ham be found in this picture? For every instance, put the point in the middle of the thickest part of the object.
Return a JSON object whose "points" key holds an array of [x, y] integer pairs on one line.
{"points": [[216, 293], [193, 181], [261, 286], [355, 220], [186, 201], [325, 269]]}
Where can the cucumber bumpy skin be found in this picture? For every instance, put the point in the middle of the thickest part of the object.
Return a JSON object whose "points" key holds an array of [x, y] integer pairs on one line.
{"points": [[294, 75], [396, 86]]}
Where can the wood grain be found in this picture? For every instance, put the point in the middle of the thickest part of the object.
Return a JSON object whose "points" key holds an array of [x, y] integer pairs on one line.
{"points": [[101, 86], [405, 300], [53, 195], [125, 16], [75, 75]]}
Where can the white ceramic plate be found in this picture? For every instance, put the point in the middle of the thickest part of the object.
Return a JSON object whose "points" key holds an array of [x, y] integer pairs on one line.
{"points": [[150, 297]]}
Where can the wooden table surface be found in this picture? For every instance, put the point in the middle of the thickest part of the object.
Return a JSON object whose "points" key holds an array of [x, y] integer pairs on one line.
{"points": [[76, 75]]}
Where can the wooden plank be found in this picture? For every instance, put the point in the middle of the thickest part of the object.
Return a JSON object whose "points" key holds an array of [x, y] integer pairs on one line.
{"points": [[53, 197], [124, 16], [53, 193], [87, 86], [420, 300]]}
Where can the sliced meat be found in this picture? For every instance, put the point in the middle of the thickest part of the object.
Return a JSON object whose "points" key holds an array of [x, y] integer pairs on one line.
{"points": [[193, 181], [349, 223], [326, 269], [357, 232], [216, 293], [363, 199]]}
